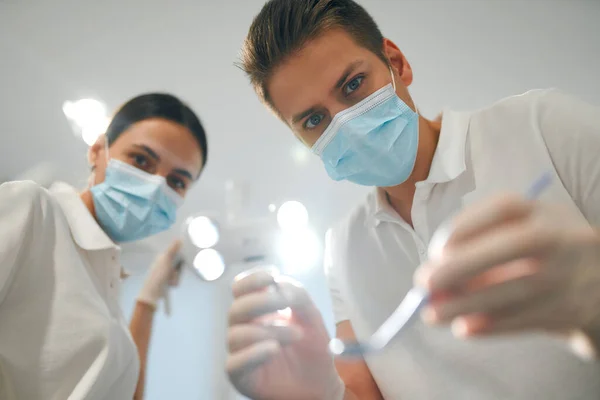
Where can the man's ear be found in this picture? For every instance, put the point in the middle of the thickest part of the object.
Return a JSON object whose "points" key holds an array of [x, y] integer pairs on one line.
{"points": [[398, 62], [96, 150]]}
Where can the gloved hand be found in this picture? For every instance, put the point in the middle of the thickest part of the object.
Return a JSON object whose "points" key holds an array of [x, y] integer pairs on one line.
{"points": [[163, 274], [278, 355], [513, 265]]}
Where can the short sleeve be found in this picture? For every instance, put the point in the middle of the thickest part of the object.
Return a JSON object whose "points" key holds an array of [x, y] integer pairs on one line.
{"points": [[571, 130], [333, 280], [23, 213]]}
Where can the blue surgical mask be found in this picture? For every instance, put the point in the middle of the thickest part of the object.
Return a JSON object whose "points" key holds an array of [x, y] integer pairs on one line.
{"points": [[373, 143], [132, 204]]}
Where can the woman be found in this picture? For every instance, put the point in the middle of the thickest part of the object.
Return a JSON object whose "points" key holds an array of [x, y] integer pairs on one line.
{"points": [[62, 334]]}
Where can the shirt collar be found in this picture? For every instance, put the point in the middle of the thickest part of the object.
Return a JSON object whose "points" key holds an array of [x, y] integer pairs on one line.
{"points": [[447, 164], [379, 208], [449, 157], [85, 230]]}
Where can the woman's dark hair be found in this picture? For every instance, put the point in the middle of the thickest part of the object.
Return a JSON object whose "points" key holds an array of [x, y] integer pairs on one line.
{"points": [[157, 105]]}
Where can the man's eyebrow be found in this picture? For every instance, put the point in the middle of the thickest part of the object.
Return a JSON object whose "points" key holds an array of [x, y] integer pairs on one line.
{"points": [[299, 117], [347, 73], [349, 69]]}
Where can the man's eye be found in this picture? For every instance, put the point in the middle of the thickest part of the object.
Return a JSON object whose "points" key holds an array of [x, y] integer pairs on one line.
{"points": [[353, 85], [313, 121]]}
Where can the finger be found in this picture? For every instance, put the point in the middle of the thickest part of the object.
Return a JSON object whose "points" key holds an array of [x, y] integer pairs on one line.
{"points": [[173, 249], [178, 263], [542, 315], [242, 336], [491, 298], [509, 271], [300, 303], [486, 215], [472, 258], [470, 325], [272, 270], [252, 281], [246, 361], [285, 293], [254, 305], [175, 276]]}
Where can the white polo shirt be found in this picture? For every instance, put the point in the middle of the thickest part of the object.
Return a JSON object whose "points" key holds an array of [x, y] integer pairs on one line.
{"points": [[374, 253], [62, 334]]}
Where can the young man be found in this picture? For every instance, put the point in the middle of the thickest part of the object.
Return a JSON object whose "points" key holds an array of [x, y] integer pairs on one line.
{"points": [[510, 265]]}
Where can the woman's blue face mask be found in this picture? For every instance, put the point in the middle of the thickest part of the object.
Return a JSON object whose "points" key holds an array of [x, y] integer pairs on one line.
{"points": [[132, 204]]}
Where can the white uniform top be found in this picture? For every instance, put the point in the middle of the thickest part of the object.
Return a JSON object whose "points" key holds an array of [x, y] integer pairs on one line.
{"points": [[374, 253], [62, 334]]}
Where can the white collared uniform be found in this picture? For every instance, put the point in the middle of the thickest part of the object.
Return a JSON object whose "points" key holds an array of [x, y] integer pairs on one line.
{"points": [[62, 334], [374, 254]]}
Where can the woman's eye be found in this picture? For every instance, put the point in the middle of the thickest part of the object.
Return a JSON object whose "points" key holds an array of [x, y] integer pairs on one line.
{"points": [[176, 183], [353, 85], [313, 121], [140, 161]]}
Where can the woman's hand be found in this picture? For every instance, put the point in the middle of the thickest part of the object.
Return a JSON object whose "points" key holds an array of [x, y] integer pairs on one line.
{"points": [[163, 273]]}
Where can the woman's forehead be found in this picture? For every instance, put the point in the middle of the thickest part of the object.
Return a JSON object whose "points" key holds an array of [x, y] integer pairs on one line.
{"points": [[171, 142]]}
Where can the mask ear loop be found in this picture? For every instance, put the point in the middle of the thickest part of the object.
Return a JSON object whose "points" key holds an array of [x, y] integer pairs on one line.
{"points": [[394, 85]]}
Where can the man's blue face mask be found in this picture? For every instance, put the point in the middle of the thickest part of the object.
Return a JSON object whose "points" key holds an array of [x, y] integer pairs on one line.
{"points": [[132, 204], [373, 143]]}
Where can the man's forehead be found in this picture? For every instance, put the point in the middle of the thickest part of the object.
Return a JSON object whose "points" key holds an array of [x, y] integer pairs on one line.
{"points": [[306, 78]]}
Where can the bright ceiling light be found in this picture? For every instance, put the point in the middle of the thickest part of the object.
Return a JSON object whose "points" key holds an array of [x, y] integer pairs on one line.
{"points": [[88, 117], [300, 154], [299, 250], [209, 264], [292, 215], [202, 232]]}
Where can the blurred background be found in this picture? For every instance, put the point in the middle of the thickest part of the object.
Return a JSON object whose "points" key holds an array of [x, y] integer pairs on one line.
{"points": [[465, 54]]}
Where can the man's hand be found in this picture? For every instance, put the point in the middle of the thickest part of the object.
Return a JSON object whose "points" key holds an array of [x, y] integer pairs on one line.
{"points": [[514, 265], [278, 354]]}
